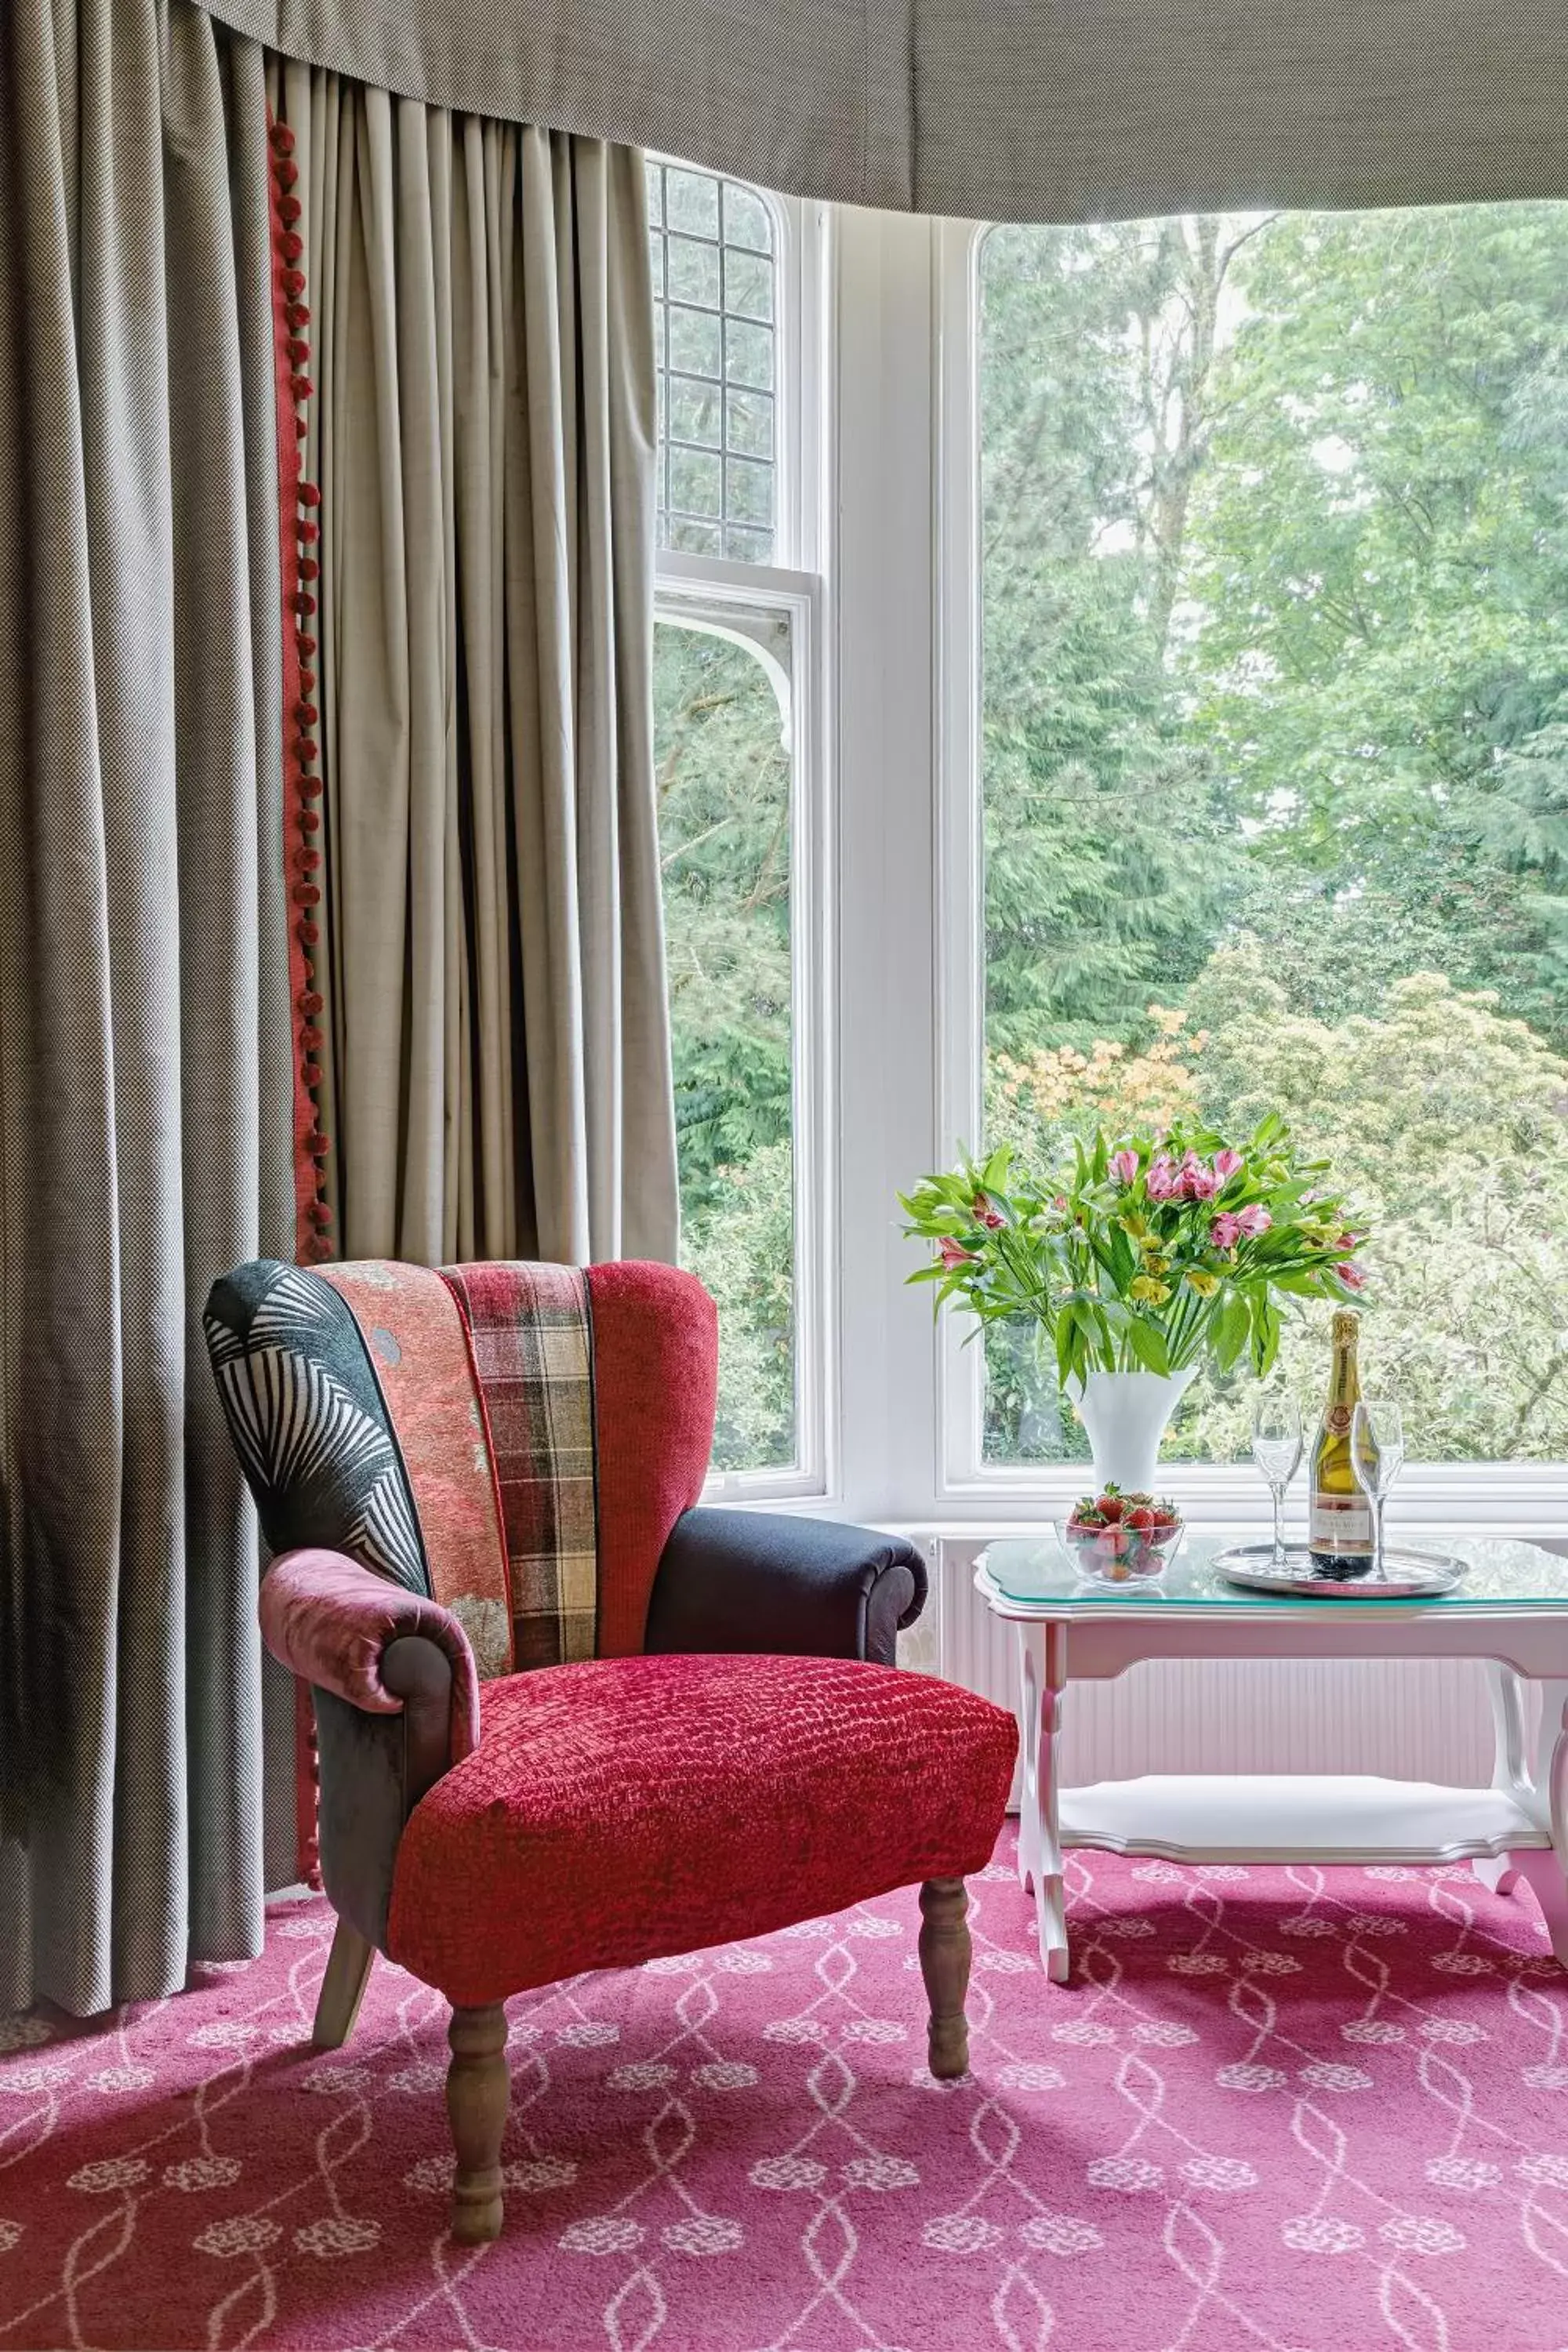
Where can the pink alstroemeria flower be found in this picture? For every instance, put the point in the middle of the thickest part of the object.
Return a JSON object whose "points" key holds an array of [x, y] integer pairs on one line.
{"points": [[1254, 1219], [1163, 1180], [1226, 1164], [954, 1253], [985, 1213], [1225, 1231], [1124, 1166], [1351, 1275], [1198, 1182]]}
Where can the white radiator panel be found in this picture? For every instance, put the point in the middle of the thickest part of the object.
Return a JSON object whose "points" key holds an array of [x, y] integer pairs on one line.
{"points": [[1420, 1719]]}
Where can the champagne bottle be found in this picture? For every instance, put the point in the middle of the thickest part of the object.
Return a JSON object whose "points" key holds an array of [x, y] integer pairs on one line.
{"points": [[1341, 1535]]}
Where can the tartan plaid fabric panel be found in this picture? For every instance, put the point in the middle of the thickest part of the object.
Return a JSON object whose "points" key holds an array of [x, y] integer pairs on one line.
{"points": [[533, 1348]]}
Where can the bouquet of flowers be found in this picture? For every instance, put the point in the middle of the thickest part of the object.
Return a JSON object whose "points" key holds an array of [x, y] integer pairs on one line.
{"points": [[1150, 1253]]}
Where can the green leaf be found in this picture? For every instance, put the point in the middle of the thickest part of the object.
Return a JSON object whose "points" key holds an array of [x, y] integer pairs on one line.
{"points": [[1147, 1346]]}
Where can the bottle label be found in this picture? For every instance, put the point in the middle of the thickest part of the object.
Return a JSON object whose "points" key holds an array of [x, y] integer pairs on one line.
{"points": [[1341, 1524]]}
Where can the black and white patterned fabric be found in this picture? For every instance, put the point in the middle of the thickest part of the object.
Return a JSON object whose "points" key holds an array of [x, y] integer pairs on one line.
{"points": [[309, 1420]]}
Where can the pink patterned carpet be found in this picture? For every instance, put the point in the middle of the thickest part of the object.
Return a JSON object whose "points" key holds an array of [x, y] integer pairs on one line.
{"points": [[1277, 2110]]}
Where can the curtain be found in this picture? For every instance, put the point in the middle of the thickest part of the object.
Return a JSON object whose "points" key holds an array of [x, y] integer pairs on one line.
{"points": [[492, 1028], [1001, 109], [144, 1058]]}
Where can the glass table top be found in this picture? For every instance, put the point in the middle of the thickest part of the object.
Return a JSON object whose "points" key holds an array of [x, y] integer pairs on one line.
{"points": [[1500, 1573]]}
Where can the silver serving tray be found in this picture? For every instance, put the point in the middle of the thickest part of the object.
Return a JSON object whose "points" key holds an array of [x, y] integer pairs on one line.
{"points": [[1408, 1575]]}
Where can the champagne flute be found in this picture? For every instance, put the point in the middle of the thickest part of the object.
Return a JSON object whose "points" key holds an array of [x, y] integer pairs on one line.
{"points": [[1276, 1450], [1377, 1457]]}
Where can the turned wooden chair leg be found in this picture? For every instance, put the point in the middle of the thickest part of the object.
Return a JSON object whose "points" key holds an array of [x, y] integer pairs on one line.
{"points": [[945, 1964], [342, 1988], [478, 2088]]}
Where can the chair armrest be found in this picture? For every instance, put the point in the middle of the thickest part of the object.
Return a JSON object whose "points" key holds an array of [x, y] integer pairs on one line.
{"points": [[395, 1693], [764, 1580], [332, 1621]]}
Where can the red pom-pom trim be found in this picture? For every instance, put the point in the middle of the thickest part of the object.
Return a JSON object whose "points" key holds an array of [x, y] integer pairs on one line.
{"points": [[321, 1213], [310, 1003], [305, 712], [309, 533], [282, 139], [308, 647], [290, 245], [310, 496], [299, 350], [309, 568], [311, 819], [310, 933], [302, 603], [311, 1040], [306, 894], [293, 281]]}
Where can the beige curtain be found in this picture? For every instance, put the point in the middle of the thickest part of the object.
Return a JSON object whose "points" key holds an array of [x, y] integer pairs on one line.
{"points": [[497, 1059], [144, 1074]]}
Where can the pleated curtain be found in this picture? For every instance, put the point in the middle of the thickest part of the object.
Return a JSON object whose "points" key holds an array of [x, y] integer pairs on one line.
{"points": [[144, 1061], [494, 1046]]}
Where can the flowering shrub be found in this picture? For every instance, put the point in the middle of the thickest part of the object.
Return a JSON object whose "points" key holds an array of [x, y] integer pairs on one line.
{"points": [[1150, 1253]]}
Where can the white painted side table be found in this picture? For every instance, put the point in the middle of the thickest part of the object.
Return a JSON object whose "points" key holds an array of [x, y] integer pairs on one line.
{"points": [[1511, 1612]]}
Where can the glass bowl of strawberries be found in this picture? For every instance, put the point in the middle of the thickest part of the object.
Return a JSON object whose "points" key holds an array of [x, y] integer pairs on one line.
{"points": [[1121, 1538]]}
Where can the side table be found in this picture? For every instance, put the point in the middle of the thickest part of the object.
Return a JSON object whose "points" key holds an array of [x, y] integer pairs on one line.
{"points": [[1512, 1612]]}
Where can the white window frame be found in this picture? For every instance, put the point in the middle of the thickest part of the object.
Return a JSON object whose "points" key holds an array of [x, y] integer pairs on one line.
{"points": [[727, 597], [1453, 1495]]}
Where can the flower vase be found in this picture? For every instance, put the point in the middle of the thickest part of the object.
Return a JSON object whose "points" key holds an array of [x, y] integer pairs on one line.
{"points": [[1126, 1415]]}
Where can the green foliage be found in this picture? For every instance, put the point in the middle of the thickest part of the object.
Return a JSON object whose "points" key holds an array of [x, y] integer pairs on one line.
{"points": [[1106, 851], [1445, 1120], [1276, 733], [724, 797]]}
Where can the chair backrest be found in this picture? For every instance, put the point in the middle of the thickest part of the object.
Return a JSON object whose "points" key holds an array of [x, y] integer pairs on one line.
{"points": [[515, 1441]]}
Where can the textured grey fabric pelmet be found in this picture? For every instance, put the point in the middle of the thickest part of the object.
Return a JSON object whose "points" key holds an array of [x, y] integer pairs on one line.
{"points": [[144, 1080], [1001, 109]]}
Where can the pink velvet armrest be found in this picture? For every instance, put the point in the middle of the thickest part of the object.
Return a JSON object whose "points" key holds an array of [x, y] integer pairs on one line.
{"points": [[329, 1620]]}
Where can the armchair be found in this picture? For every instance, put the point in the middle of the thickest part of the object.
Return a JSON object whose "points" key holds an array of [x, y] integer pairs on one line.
{"points": [[566, 1719]]}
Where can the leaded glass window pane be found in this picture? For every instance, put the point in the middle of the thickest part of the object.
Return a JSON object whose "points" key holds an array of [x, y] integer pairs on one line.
{"points": [[714, 300]]}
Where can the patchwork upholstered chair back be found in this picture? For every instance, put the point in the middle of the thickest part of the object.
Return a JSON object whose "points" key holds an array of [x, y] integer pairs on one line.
{"points": [[515, 1441]]}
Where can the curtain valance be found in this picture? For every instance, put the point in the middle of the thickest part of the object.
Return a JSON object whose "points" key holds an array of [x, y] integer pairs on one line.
{"points": [[1006, 109]]}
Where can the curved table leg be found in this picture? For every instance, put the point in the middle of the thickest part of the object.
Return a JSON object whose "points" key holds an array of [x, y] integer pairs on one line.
{"points": [[1511, 1766], [1547, 1870], [1042, 1673]]}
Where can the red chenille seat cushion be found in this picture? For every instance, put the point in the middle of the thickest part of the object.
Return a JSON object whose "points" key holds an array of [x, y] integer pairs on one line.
{"points": [[625, 1808]]}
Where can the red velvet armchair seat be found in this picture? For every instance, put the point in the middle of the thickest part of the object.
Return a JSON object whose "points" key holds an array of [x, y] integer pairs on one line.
{"points": [[565, 1719]]}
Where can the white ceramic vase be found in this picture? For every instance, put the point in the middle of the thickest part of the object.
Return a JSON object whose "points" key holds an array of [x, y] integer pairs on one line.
{"points": [[1126, 1415]]}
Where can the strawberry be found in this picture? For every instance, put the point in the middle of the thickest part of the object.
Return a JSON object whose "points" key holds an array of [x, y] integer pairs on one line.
{"points": [[1109, 1506], [1143, 1518]]}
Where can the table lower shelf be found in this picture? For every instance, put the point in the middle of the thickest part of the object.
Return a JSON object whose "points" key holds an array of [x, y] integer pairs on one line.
{"points": [[1287, 1818]]}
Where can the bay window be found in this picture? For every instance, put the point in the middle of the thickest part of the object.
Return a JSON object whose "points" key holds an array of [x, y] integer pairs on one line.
{"points": [[1159, 645]]}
